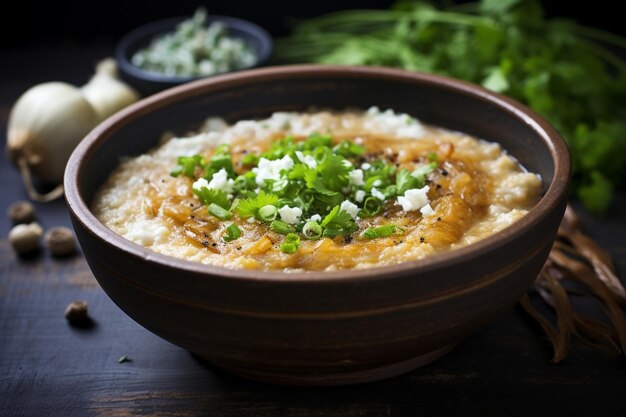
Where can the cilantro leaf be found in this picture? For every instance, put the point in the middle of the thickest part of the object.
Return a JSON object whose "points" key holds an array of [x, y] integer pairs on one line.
{"points": [[280, 148], [333, 171], [338, 223], [316, 140], [249, 207], [349, 149], [210, 196], [315, 182]]}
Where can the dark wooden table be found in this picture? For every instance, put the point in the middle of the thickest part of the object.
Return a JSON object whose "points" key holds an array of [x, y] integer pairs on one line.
{"points": [[48, 368]]}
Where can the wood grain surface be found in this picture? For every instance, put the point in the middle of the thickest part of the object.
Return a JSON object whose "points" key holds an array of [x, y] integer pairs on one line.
{"points": [[48, 368]]}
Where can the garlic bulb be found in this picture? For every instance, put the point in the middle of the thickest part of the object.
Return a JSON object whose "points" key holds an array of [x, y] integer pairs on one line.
{"points": [[50, 119], [45, 125], [106, 93]]}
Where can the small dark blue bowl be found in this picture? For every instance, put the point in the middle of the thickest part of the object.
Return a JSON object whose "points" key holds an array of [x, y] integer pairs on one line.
{"points": [[148, 82]]}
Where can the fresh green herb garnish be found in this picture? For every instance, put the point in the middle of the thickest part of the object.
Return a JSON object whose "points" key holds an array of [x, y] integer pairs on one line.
{"points": [[250, 159], [382, 231], [232, 232], [290, 243], [281, 227], [250, 206], [298, 180], [267, 213], [371, 207], [219, 212], [349, 149], [196, 48], [338, 223], [210, 196], [187, 165], [312, 230], [569, 73]]}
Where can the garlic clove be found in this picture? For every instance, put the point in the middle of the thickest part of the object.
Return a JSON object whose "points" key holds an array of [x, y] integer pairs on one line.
{"points": [[106, 93]]}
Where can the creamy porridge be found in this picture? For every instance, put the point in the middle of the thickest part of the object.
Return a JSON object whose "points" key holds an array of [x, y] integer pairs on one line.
{"points": [[316, 191]]}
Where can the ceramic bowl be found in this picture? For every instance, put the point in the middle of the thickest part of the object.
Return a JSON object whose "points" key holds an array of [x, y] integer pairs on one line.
{"points": [[147, 82], [321, 328]]}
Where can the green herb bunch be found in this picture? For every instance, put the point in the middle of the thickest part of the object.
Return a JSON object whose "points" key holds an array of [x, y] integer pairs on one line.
{"points": [[569, 73], [318, 179]]}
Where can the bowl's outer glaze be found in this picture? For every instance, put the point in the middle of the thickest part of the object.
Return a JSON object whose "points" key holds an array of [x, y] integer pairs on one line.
{"points": [[147, 82], [334, 327]]}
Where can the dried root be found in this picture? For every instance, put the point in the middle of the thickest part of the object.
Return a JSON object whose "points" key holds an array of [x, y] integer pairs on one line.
{"points": [[576, 259]]}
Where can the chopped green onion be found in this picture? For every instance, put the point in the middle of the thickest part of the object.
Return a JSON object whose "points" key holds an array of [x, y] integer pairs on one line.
{"points": [[250, 159], [232, 232], [218, 162], [381, 231], [432, 157], [290, 243], [281, 227], [267, 213], [187, 165], [371, 207], [219, 212], [312, 230]]}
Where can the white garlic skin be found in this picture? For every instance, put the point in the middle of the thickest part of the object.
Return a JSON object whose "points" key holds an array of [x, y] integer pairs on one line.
{"points": [[45, 125], [106, 93]]}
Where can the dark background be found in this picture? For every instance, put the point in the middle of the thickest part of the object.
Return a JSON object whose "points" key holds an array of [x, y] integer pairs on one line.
{"points": [[30, 22]]}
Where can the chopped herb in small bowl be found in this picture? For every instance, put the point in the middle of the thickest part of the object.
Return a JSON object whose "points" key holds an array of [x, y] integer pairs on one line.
{"points": [[174, 51]]}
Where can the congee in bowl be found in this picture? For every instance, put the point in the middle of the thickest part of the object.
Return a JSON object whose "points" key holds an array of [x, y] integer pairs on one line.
{"points": [[316, 191], [302, 236]]}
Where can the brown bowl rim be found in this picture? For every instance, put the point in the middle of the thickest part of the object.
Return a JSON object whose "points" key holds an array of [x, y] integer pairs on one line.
{"points": [[549, 201]]}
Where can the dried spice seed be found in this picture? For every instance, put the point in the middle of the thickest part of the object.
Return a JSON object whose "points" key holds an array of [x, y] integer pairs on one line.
{"points": [[60, 241], [123, 359], [21, 212], [76, 312], [24, 238]]}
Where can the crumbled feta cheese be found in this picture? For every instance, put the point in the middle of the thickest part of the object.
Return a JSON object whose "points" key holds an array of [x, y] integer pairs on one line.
{"points": [[377, 183], [346, 163], [219, 181], [427, 210], [365, 166], [200, 183], [315, 218], [290, 215], [378, 194], [356, 177], [359, 196], [251, 220], [414, 199], [308, 160], [271, 170], [350, 208]]}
